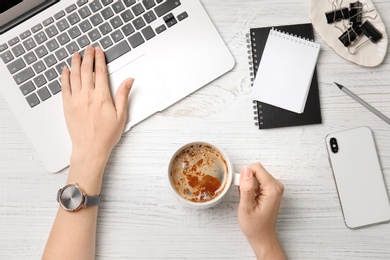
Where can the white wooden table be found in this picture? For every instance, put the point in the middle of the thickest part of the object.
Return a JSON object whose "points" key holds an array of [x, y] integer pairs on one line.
{"points": [[140, 219]]}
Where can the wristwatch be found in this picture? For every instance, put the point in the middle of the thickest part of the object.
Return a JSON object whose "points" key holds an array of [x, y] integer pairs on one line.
{"points": [[72, 198]]}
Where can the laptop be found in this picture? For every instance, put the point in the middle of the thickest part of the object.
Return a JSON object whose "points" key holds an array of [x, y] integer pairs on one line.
{"points": [[170, 47]]}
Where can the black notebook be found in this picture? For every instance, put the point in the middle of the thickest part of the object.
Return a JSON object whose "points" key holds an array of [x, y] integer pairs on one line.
{"points": [[269, 116]]}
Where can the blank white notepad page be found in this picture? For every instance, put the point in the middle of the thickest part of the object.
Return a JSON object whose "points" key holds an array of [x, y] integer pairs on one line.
{"points": [[285, 71]]}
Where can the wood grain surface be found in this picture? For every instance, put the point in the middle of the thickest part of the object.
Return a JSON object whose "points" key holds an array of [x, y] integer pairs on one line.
{"points": [[139, 218]]}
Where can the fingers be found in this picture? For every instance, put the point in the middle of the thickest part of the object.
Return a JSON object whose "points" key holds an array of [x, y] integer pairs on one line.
{"points": [[87, 66], [65, 83], [101, 74], [248, 187], [75, 75], [122, 97], [266, 180]]}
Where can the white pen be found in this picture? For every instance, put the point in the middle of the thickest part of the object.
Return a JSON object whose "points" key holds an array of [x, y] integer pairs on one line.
{"points": [[364, 103]]}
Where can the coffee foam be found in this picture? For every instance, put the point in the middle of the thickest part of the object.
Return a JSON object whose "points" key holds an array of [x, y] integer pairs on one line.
{"points": [[199, 172]]}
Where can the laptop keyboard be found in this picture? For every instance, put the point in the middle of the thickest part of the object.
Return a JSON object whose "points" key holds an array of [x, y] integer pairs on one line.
{"points": [[36, 57]]}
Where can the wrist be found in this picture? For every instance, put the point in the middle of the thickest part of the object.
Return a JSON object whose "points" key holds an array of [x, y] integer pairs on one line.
{"points": [[269, 248], [86, 169]]}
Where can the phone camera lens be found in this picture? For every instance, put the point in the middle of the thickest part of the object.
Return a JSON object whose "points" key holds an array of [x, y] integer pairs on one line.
{"points": [[333, 145]]}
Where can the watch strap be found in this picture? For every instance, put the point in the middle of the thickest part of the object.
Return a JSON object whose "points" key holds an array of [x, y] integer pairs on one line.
{"points": [[91, 200]]}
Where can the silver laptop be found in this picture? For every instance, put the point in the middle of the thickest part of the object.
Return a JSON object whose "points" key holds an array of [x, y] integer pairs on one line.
{"points": [[170, 47]]}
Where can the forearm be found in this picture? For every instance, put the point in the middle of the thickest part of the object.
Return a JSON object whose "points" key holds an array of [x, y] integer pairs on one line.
{"points": [[73, 234]]}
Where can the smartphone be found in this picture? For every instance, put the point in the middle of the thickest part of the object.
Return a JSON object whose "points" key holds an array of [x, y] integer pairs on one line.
{"points": [[358, 177]]}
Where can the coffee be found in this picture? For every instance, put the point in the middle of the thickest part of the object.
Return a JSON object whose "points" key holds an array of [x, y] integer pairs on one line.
{"points": [[199, 172]]}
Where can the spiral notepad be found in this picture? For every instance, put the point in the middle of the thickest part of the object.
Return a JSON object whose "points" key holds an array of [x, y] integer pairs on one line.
{"points": [[285, 71], [268, 116]]}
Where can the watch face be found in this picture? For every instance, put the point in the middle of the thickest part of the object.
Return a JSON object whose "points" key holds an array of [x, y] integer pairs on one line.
{"points": [[71, 197]]}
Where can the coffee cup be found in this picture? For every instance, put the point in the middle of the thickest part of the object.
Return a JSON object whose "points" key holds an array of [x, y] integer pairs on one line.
{"points": [[200, 174]]}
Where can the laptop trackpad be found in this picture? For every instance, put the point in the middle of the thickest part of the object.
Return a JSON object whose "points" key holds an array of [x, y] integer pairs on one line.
{"points": [[148, 93]]}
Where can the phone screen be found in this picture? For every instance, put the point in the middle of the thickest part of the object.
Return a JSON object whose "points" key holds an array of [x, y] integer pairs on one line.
{"points": [[358, 176]]}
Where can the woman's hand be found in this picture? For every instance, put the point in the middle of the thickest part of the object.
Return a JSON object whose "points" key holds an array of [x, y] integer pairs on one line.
{"points": [[95, 123], [260, 197]]}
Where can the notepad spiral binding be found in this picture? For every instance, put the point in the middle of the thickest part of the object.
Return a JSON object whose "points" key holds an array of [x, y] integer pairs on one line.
{"points": [[294, 38], [253, 66]]}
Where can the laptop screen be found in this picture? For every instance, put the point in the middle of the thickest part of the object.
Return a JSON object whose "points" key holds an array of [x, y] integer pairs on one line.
{"points": [[13, 12]]}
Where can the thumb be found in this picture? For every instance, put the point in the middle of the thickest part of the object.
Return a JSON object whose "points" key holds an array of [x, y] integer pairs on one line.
{"points": [[122, 97], [248, 186]]}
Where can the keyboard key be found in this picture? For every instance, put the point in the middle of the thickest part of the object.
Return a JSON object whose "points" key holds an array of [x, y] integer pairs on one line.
{"points": [[127, 29], [32, 100], [94, 35], [69, 61], [36, 28], [129, 2], [62, 25], [148, 4], [59, 15], [41, 51], [13, 41], [105, 28], [85, 26], [84, 12], [16, 65], [30, 58], [18, 50], [27, 88], [61, 54], [63, 39], [118, 7], [3, 47], [60, 67], [39, 81], [74, 32], [7, 57], [73, 18], [160, 29], [50, 60], [70, 8], [40, 37], [81, 2], [117, 51], [148, 33], [139, 23], [106, 42], [166, 7], [182, 16], [29, 44], [48, 21], [39, 67], [95, 6], [136, 40], [116, 22], [150, 17], [24, 75], [52, 45], [138, 9], [51, 31], [24, 35], [72, 48], [43, 93], [107, 13], [55, 87], [83, 41], [117, 36], [96, 19], [170, 20], [106, 2], [51, 74], [127, 16]]}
